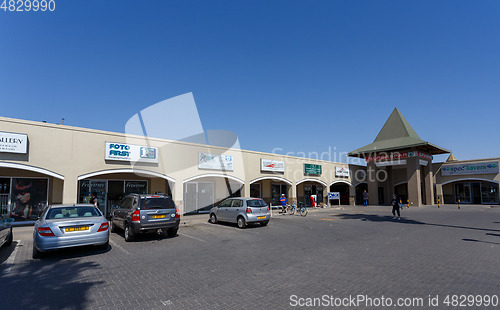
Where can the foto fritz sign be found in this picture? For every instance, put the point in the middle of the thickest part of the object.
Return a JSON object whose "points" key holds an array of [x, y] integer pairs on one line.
{"points": [[131, 152]]}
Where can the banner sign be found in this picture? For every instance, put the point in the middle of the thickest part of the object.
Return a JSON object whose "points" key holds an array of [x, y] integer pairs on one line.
{"points": [[475, 168], [398, 155], [215, 161], [341, 172], [312, 169], [130, 152], [13, 142], [29, 198], [272, 165]]}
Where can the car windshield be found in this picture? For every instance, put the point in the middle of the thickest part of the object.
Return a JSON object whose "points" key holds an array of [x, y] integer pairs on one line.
{"points": [[72, 212], [157, 203], [256, 203]]}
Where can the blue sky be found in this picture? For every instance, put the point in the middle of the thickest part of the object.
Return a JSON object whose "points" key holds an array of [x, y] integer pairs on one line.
{"points": [[301, 76]]}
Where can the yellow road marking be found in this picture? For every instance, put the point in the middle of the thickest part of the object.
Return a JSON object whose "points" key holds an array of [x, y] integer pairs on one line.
{"points": [[327, 219]]}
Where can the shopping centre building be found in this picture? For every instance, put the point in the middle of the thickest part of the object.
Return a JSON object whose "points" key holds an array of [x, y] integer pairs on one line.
{"points": [[43, 163]]}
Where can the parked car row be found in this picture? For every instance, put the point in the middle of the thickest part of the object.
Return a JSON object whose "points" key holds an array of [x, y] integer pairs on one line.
{"points": [[63, 226], [6, 235]]}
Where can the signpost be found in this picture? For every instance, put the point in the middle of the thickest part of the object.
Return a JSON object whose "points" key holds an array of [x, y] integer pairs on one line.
{"points": [[333, 196]]}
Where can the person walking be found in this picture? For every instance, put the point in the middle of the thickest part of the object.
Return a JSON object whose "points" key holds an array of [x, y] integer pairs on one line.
{"points": [[395, 207], [284, 202], [94, 200], [365, 198]]}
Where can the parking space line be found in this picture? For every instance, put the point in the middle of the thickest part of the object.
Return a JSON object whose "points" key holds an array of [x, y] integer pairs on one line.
{"points": [[191, 237], [232, 228], [10, 261], [118, 246]]}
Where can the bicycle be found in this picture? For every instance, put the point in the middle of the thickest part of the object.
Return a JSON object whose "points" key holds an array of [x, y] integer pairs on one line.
{"points": [[301, 209]]}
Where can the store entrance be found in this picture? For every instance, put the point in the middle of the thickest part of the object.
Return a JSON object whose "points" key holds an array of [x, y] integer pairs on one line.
{"points": [[4, 195]]}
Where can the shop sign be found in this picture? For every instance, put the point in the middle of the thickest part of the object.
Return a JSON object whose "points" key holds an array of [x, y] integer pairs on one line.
{"points": [[272, 165], [131, 152], [397, 155], [312, 169], [476, 168], [215, 161], [341, 172], [13, 142], [307, 188]]}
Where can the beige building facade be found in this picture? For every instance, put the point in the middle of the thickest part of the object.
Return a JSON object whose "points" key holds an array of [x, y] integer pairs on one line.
{"points": [[42, 163]]}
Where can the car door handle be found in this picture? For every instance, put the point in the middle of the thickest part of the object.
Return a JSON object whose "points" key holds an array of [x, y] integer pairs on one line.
{"points": [[236, 209]]}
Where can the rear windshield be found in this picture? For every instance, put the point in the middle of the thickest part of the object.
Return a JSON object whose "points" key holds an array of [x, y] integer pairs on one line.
{"points": [[72, 212], [157, 203], [256, 203]]}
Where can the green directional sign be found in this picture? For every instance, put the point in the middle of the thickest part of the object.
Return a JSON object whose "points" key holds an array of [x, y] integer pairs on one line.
{"points": [[312, 169]]}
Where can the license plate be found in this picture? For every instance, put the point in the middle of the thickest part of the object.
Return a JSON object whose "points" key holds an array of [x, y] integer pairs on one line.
{"points": [[80, 228], [261, 217], [158, 216]]}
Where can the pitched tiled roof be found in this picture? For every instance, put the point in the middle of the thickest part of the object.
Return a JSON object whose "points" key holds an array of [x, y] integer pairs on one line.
{"points": [[397, 134]]}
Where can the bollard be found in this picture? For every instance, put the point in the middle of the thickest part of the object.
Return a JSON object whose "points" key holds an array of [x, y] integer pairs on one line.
{"points": [[459, 203], [438, 202], [407, 203]]}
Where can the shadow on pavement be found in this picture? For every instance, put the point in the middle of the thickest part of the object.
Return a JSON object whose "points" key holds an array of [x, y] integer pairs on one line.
{"points": [[377, 218], [474, 240], [5, 252], [50, 283]]}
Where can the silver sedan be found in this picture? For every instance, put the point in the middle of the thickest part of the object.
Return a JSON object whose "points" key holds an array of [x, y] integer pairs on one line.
{"points": [[64, 226]]}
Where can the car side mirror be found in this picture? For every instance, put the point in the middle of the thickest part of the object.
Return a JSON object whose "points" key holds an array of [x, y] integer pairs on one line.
{"points": [[114, 207]]}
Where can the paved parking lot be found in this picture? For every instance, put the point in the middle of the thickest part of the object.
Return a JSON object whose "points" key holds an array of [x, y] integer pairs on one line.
{"points": [[329, 255]]}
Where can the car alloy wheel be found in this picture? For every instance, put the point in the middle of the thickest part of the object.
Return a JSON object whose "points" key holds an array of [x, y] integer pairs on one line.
{"points": [[241, 222], [128, 234], [213, 219]]}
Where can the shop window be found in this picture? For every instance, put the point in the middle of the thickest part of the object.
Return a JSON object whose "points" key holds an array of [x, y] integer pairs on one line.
{"points": [[255, 190], [489, 193]]}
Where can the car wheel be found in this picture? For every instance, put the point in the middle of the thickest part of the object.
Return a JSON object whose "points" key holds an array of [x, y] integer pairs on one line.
{"points": [[172, 232], [9, 241], [264, 223], [36, 254], [241, 222], [213, 218], [129, 235]]}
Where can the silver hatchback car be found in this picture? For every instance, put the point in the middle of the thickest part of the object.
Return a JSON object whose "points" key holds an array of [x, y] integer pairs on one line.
{"points": [[64, 226], [241, 211]]}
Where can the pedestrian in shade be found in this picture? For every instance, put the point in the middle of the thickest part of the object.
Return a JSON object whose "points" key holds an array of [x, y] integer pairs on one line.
{"points": [[365, 198], [395, 207]]}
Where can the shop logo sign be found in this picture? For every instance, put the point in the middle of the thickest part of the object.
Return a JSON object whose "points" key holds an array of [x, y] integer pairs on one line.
{"points": [[312, 169], [272, 165], [130, 152], [13, 143], [215, 161], [477, 168], [341, 172]]}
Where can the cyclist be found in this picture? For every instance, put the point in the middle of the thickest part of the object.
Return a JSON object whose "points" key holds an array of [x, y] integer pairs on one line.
{"points": [[283, 201]]}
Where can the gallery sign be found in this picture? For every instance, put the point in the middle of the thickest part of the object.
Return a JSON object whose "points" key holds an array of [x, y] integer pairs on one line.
{"points": [[13, 143], [272, 165], [398, 155], [131, 152], [312, 169], [341, 172], [215, 161], [476, 168]]}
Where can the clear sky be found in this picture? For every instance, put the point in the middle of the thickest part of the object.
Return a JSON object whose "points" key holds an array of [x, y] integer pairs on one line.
{"points": [[301, 76]]}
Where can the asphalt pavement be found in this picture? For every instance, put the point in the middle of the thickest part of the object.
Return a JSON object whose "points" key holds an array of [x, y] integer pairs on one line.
{"points": [[347, 258]]}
